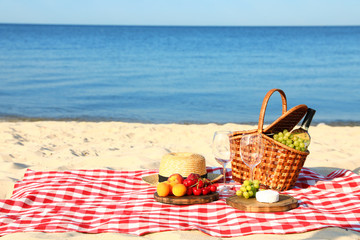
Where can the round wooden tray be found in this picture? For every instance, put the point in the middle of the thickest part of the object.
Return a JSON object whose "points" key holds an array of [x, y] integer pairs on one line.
{"points": [[187, 200], [285, 203]]}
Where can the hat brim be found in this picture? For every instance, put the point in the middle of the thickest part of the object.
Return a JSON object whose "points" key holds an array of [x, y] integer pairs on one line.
{"points": [[154, 178]]}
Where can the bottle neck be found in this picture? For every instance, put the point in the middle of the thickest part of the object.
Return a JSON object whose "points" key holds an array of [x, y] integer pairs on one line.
{"points": [[308, 118]]}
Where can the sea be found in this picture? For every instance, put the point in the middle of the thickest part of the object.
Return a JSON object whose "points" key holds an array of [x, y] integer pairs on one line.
{"points": [[177, 74]]}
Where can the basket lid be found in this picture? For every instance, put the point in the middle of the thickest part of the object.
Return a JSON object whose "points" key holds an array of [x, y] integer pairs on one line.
{"points": [[287, 120]]}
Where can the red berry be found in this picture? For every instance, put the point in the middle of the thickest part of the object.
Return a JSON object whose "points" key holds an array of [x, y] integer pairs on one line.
{"points": [[213, 188], [200, 183], [189, 191], [187, 183], [193, 176], [205, 191], [197, 191], [192, 182]]}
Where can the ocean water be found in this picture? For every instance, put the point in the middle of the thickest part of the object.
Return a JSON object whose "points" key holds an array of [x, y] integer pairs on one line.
{"points": [[177, 74]]}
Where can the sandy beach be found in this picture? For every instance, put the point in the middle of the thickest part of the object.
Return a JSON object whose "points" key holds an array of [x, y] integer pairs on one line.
{"points": [[57, 145]]}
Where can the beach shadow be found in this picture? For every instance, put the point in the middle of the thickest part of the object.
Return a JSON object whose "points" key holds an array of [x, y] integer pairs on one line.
{"points": [[20, 165], [356, 170], [332, 233], [13, 179], [324, 171]]}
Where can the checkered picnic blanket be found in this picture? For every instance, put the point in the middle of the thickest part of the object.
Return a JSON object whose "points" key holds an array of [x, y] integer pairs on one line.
{"points": [[98, 201]]}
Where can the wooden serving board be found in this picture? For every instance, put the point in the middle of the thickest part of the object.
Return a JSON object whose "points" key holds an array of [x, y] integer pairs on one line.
{"points": [[187, 200], [285, 203]]}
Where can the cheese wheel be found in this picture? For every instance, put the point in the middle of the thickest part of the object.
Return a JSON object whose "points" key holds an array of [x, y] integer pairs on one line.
{"points": [[267, 196]]}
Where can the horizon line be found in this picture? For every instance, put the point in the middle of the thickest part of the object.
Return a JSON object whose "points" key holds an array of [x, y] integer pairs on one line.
{"points": [[160, 25]]}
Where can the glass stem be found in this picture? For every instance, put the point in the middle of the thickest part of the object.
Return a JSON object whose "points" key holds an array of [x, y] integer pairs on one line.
{"points": [[224, 172], [251, 174]]}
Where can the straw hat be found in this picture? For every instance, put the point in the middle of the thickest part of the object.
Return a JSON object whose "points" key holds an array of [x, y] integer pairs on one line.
{"points": [[182, 163]]}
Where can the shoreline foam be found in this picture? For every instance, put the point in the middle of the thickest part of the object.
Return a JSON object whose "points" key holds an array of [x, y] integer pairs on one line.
{"points": [[339, 123]]}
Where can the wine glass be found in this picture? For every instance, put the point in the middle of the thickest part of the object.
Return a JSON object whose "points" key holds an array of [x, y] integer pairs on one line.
{"points": [[251, 151], [221, 151]]}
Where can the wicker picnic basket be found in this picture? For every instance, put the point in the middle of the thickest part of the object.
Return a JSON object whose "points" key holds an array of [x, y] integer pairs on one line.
{"points": [[280, 165]]}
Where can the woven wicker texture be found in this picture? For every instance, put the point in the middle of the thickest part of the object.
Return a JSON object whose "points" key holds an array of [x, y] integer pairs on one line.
{"points": [[183, 163], [280, 165]]}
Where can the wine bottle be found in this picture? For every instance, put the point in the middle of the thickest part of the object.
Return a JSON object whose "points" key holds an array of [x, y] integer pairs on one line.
{"points": [[302, 131]]}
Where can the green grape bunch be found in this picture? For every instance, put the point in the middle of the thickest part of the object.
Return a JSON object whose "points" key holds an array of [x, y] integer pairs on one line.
{"points": [[290, 140], [248, 189]]}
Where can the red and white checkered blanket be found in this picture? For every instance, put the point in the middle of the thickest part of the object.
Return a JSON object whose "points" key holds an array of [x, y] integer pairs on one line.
{"points": [[98, 201]]}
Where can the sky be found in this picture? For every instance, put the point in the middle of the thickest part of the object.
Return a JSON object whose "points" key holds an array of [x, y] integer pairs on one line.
{"points": [[183, 12]]}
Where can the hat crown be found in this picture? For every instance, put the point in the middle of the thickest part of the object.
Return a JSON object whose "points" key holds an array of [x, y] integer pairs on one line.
{"points": [[182, 163]]}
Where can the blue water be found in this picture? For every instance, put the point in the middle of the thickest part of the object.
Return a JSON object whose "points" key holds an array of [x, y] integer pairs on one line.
{"points": [[177, 74]]}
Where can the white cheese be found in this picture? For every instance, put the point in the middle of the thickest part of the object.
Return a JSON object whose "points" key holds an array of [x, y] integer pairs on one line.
{"points": [[267, 196]]}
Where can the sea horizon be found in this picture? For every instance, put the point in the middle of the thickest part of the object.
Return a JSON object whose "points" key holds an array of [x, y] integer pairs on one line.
{"points": [[185, 26]]}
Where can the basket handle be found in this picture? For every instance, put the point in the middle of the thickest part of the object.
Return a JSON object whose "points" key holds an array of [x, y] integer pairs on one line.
{"points": [[264, 104]]}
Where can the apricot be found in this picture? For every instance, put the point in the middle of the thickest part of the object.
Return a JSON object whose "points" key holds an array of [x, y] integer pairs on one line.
{"points": [[163, 189], [179, 190], [171, 185]]}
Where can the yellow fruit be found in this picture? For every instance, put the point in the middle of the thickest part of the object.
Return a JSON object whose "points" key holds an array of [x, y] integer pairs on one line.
{"points": [[163, 189], [179, 190], [171, 185]]}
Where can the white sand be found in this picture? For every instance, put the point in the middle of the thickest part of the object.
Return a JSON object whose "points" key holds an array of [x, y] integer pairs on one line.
{"points": [[115, 145]]}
